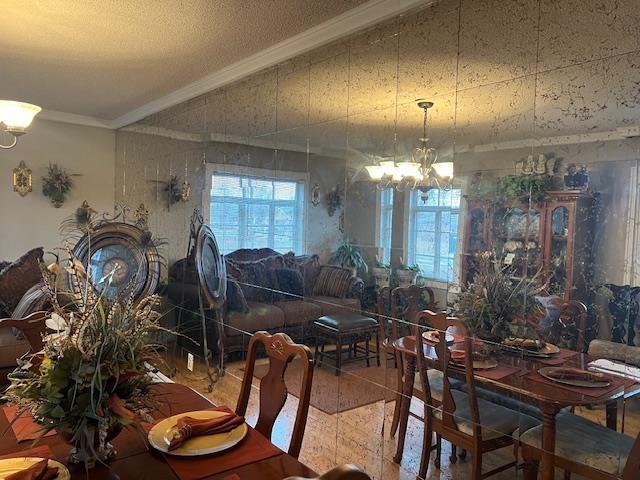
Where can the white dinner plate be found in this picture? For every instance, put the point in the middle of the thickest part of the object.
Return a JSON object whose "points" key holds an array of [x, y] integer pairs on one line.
{"points": [[14, 465], [162, 432]]}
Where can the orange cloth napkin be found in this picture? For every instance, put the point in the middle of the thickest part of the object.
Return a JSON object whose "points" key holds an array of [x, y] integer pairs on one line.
{"points": [[192, 427], [37, 471]]}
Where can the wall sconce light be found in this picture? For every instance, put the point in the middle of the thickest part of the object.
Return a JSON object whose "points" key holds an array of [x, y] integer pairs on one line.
{"points": [[15, 117]]}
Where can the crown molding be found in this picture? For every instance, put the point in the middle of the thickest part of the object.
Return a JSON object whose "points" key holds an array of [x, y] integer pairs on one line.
{"points": [[360, 17], [64, 117]]}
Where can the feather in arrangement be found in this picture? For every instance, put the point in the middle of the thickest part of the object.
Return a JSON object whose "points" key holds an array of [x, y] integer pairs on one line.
{"points": [[91, 381]]}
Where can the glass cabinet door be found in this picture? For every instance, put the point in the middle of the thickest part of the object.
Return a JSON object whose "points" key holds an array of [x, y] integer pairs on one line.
{"points": [[509, 237], [558, 250]]}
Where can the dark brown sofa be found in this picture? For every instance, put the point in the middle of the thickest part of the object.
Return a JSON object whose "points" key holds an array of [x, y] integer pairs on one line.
{"points": [[267, 305]]}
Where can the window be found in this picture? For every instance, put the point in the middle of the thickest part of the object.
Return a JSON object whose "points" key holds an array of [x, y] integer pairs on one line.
{"points": [[385, 198], [433, 232], [254, 212]]}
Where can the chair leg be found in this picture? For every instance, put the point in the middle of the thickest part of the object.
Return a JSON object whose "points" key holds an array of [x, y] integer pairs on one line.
{"points": [[378, 350], [396, 409], [338, 356], [453, 458], [567, 475], [366, 349], [438, 451], [427, 442], [476, 466], [530, 470]]}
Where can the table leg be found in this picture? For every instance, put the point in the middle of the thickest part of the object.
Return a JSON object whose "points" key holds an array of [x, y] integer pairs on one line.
{"points": [[612, 414], [405, 404], [548, 442]]}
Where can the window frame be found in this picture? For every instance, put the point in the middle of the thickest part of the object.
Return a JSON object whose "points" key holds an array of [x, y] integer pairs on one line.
{"points": [[300, 202], [380, 211], [411, 235]]}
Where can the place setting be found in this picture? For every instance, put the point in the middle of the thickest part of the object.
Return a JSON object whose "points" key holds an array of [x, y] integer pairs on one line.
{"points": [[32, 468], [200, 443], [197, 433]]}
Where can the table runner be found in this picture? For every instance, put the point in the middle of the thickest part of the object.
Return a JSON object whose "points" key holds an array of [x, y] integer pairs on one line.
{"points": [[500, 372], [43, 451], [24, 426], [253, 448], [616, 383], [561, 357]]}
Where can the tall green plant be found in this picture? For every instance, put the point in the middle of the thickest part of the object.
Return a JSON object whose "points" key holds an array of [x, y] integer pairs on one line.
{"points": [[349, 255]]}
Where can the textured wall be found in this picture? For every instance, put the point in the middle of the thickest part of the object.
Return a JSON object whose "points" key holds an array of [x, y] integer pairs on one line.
{"points": [[508, 77], [32, 221]]}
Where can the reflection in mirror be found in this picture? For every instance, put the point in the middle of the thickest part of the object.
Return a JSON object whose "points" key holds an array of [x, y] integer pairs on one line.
{"points": [[525, 259]]}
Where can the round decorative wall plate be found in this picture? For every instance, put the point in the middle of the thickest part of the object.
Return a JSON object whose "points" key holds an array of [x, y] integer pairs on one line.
{"points": [[119, 254]]}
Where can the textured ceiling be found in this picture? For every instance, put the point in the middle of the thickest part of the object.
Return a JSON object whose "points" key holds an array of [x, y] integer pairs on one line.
{"points": [[103, 58]]}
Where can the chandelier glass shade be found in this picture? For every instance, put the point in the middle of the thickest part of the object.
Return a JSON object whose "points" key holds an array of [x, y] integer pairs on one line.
{"points": [[15, 117], [423, 172]]}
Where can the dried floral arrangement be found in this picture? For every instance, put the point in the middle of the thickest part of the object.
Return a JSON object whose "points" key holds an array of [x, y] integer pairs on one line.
{"points": [[173, 191], [56, 185], [91, 380], [496, 304]]}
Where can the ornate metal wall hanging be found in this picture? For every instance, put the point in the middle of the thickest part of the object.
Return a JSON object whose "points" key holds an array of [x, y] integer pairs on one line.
{"points": [[22, 179]]}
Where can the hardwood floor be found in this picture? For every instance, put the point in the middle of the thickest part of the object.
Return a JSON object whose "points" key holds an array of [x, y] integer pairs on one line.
{"points": [[361, 435]]}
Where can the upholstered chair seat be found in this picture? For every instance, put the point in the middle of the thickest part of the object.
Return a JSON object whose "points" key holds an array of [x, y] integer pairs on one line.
{"points": [[496, 421], [582, 441]]}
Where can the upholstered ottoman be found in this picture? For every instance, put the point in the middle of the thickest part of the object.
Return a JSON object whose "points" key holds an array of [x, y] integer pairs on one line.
{"points": [[346, 330]]}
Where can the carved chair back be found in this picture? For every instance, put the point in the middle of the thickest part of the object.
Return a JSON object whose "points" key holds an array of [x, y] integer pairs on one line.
{"points": [[281, 350], [440, 321], [565, 322], [405, 304], [32, 327], [343, 472]]}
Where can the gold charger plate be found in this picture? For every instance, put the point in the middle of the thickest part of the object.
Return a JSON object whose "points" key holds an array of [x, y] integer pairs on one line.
{"points": [[575, 383], [433, 336], [162, 432], [14, 465], [485, 364]]}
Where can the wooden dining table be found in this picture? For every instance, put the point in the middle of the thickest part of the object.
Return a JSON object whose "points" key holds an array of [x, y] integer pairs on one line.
{"points": [[520, 385], [136, 460]]}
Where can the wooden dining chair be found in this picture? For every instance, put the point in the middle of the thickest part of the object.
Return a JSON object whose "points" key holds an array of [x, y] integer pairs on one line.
{"points": [[585, 448], [281, 350], [565, 322], [404, 305], [476, 425], [32, 327], [343, 472]]}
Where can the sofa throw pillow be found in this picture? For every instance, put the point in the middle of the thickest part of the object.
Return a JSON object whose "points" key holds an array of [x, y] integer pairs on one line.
{"points": [[235, 298], [332, 281], [291, 283], [18, 277], [35, 299]]}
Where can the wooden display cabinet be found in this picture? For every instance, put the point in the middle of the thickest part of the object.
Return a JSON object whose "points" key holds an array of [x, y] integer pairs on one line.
{"points": [[553, 237]]}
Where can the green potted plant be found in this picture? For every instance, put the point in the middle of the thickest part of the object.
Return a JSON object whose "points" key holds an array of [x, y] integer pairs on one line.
{"points": [[381, 273], [349, 255], [407, 274]]}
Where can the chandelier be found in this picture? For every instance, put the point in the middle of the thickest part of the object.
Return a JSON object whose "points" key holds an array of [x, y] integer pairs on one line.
{"points": [[422, 173], [15, 117]]}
